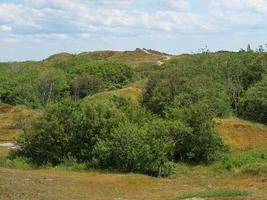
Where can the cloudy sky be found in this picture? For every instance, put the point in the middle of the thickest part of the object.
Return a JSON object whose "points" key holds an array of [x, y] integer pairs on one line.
{"points": [[35, 29]]}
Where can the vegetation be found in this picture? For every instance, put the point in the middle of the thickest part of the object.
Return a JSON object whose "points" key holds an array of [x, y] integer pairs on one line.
{"points": [[253, 161], [253, 105], [215, 193], [90, 120], [36, 85]]}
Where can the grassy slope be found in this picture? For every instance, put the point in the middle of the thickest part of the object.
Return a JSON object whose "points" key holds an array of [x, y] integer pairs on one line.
{"points": [[243, 135], [8, 115], [56, 184], [132, 58]]}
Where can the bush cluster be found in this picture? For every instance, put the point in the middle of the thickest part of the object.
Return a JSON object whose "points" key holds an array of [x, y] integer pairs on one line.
{"points": [[37, 84], [115, 133]]}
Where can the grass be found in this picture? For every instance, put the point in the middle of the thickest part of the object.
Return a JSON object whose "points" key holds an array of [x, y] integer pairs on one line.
{"points": [[130, 92], [243, 135], [245, 160], [72, 165], [17, 163], [8, 115], [215, 193], [132, 58], [3, 152]]}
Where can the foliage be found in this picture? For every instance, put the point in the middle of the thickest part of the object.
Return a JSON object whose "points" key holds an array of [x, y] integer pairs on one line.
{"points": [[36, 84], [244, 160], [173, 123], [194, 101], [47, 141], [235, 71], [51, 85], [17, 87], [71, 164], [85, 85], [174, 87], [17, 163], [147, 149], [253, 105]]}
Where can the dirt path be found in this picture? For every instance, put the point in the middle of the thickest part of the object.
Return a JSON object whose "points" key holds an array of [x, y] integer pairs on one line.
{"points": [[160, 62], [8, 145]]}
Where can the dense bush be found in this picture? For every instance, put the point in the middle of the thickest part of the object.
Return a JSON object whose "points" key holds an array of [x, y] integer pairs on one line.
{"points": [[17, 87], [148, 149], [114, 74], [235, 71], [115, 133], [194, 101], [85, 85], [36, 84], [48, 138], [253, 105], [174, 88], [51, 85]]}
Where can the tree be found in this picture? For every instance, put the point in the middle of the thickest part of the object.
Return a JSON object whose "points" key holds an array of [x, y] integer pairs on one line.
{"points": [[253, 104], [51, 85], [48, 138], [85, 84]]}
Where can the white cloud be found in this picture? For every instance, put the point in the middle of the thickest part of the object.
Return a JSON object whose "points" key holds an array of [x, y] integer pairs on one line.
{"points": [[179, 4], [5, 28], [245, 5], [64, 19], [18, 14]]}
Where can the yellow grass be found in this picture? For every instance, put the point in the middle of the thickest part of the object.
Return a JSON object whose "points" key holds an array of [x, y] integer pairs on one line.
{"points": [[54, 184], [243, 135], [3, 152], [8, 116], [130, 92], [132, 58]]}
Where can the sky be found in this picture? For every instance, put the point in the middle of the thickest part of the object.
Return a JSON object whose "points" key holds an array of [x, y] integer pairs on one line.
{"points": [[35, 29]]}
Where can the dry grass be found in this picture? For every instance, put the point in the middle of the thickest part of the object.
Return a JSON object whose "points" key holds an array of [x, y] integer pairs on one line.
{"points": [[54, 184], [132, 58], [3, 152], [8, 116], [243, 135], [133, 93]]}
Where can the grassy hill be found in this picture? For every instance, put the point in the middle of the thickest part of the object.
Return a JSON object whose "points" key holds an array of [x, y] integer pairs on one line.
{"points": [[243, 135], [9, 116], [132, 58]]}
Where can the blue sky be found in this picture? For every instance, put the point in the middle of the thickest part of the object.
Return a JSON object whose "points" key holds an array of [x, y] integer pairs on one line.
{"points": [[35, 29]]}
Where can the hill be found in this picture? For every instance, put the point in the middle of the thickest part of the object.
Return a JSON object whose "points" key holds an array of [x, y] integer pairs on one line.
{"points": [[243, 135], [133, 58], [9, 116]]}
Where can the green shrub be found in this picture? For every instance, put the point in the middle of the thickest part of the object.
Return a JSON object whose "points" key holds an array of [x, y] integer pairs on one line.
{"points": [[17, 163], [48, 140], [203, 144], [147, 149], [253, 105], [72, 164], [244, 159], [85, 84], [51, 85], [255, 169]]}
